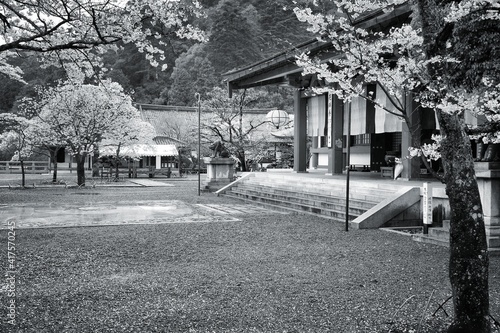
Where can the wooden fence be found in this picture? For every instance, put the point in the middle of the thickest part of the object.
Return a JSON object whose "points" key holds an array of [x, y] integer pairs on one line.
{"points": [[29, 167]]}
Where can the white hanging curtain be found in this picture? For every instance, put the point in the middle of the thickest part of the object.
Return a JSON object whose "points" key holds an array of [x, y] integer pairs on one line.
{"points": [[358, 116], [384, 121], [316, 116]]}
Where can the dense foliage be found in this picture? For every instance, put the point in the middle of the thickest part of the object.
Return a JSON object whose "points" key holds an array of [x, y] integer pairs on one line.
{"points": [[239, 32]]}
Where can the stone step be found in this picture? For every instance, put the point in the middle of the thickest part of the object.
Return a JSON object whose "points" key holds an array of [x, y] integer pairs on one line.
{"points": [[446, 224], [293, 179], [258, 203], [337, 215], [444, 233], [321, 184], [310, 196], [493, 242], [320, 196], [370, 195], [439, 233], [494, 252], [313, 195], [356, 208], [441, 236], [430, 240]]}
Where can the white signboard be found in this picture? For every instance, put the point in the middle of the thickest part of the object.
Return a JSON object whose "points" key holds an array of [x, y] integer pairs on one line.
{"points": [[427, 203]]}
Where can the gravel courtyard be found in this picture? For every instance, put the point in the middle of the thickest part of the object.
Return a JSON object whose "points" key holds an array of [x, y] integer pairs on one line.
{"points": [[234, 268]]}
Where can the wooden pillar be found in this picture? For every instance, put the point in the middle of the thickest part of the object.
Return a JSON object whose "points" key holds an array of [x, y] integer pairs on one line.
{"points": [[158, 162], [313, 163], [300, 133], [336, 121]]}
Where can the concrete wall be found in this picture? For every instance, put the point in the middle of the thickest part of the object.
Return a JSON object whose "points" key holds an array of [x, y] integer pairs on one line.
{"points": [[413, 216]]}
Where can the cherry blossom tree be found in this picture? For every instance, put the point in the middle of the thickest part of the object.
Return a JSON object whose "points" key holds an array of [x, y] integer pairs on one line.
{"points": [[438, 60], [224, 121], [26, 137], [15, 140], [74, 33], [45, 141], [83, 115], [465, 76]]}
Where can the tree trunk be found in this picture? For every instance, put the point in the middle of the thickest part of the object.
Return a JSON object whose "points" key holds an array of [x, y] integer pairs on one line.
{"points": [[242, 158], [117, 169], [468, 266], [117, 165], [23, 174], [53, 160], [80, 169], [180, 161]]}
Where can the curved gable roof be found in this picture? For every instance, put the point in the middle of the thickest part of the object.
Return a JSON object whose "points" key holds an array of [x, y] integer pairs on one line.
{"points": [[281, 69]]}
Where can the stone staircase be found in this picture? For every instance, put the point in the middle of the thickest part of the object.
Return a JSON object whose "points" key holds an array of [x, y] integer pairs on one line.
{"points": [[441, 236], [325, 197], [436, 235]]}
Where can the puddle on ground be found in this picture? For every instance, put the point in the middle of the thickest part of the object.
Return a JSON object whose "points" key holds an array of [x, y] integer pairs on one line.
{"points": [[97, 214], [83, 193]]}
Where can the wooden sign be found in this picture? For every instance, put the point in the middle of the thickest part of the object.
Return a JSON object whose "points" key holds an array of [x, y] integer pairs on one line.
{"points": [[427, 203]]}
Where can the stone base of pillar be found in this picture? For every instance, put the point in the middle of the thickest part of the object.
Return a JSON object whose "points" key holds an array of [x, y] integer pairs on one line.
{"points": [[220, 172], [488, 181], [492, 233]]}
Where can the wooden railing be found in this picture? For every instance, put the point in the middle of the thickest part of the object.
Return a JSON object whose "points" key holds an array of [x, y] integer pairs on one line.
{"points": [[29, 167]]}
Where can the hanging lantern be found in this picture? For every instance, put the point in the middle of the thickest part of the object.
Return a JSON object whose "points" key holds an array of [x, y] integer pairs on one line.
{"points": [[277, 118]]}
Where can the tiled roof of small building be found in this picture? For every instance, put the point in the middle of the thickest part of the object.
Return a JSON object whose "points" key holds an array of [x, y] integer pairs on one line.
{"points": [[160, 117], [165, 140]]}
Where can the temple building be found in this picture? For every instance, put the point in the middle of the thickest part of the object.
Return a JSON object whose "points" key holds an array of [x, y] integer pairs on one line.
{"points": [[375, 135]]}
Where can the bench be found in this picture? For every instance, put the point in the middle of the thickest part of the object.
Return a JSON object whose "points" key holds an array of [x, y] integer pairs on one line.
{"points": [[359, 167], [387, 172]]}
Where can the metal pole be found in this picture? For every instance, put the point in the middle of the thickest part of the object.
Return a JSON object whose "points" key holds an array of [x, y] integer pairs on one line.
{"points": [[197, 95], [348, 158]]}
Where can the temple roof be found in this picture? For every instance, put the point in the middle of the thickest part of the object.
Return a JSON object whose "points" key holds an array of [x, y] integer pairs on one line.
{"points": [[281, 69]]}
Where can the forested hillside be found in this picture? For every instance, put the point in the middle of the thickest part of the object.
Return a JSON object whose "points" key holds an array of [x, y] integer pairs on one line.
{"points": [[239, 31]]}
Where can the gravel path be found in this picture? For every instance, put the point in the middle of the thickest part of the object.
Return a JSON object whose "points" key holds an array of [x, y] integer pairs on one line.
{"points": [[263, 272]]}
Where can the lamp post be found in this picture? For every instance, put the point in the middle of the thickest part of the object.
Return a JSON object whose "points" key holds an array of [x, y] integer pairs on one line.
{"points": [[197, 95], [348, 161]]}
